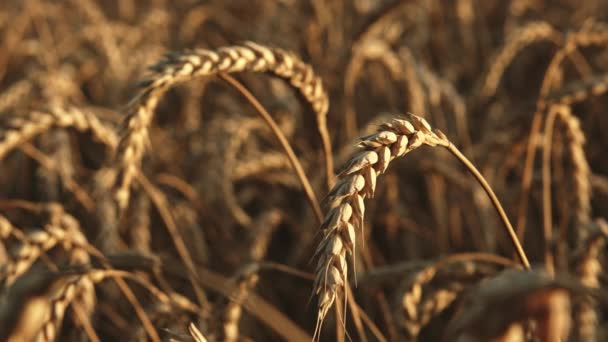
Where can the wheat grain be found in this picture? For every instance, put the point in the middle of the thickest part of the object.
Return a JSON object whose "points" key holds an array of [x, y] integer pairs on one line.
{"points": [[196, 334], [581, 171]]}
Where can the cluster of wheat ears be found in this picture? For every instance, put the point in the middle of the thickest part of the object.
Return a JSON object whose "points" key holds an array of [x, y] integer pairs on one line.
{"points": [[140, 199]]}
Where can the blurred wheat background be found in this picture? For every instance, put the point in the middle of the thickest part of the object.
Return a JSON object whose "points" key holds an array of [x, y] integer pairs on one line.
{"points": [[241, 170]]}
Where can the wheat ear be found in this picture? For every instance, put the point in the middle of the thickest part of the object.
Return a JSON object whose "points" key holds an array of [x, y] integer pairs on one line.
{"points": [[21, 129], [588, 268], [180, 67], [356, 182]]}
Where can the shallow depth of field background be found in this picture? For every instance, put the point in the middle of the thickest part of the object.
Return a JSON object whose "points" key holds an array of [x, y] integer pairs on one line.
{"points": [[75, 267]]}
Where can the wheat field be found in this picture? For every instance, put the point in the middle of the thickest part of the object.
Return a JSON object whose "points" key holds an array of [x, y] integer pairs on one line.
{"points": [[290, 170]]}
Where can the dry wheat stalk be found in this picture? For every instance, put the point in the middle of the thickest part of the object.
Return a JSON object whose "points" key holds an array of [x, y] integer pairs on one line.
{"points": [[581, 171], [197, 335], [356, 182], [20, 129], [181, 67]]}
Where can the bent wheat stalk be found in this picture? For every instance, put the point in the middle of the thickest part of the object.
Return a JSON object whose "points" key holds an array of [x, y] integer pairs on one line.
{"points": [[177, 68], [358, 181]]}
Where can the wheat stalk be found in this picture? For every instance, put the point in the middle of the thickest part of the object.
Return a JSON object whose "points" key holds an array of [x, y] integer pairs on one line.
{"points": [[581, 176], [191, 64], [356, 182]]}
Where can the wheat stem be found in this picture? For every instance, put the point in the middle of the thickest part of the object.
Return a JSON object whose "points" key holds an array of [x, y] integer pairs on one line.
{"points": [[501, 212]]}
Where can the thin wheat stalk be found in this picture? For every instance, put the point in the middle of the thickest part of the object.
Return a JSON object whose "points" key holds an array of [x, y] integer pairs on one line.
{"points": [[177, 68], [356, 182], [160, 201], [197, 335], [295, 163]]}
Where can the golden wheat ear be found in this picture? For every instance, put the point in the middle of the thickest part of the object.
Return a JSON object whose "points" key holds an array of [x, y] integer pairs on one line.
{"points": [[357, 181], [179, 67]]}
